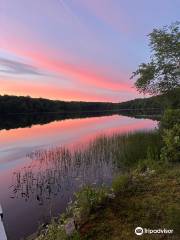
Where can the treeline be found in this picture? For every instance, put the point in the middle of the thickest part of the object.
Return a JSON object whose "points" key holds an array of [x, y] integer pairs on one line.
{"points": [[14, 104], [168, 100]]}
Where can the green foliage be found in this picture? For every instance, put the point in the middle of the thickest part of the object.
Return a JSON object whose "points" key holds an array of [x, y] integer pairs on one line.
{"points": [[87, 200], [170, 128], [162, 73], [133, 148], [152, 163], [153, 105], [170, 118], [171, 150], [120, 183]]}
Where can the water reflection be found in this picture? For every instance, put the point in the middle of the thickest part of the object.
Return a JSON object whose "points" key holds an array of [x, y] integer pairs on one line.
{"points": [[13, 121], [45, 180], [53, 172]]}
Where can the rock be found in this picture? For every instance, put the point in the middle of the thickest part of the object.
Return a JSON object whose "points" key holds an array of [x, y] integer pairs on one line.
{"points": [[69, 226]]}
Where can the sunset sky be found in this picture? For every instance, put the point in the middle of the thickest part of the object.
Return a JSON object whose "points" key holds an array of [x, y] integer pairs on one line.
{"points": [[77, 49]]}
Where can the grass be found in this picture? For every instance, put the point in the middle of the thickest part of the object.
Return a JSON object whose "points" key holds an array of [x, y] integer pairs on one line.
{"points": [[149, 201], [129, 149]]}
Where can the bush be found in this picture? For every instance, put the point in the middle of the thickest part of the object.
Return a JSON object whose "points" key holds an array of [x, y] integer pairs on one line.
{"points": [[87, 200], [171, 150], [170, 118], [120, 183]]}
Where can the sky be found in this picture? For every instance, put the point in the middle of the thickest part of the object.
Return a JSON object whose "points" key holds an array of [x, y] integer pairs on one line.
{"points": [[84, 50]]}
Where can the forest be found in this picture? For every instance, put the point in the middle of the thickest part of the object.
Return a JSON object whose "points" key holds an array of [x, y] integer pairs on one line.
{"points": [[21, 104]]}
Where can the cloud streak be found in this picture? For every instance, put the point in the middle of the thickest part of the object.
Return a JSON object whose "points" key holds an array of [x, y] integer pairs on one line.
{"points": [[45, 58], [86, 76], [14, 67], [20, 88]]}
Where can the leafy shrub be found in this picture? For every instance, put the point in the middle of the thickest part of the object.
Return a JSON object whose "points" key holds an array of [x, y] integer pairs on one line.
{"points": [[170, 118], [87, 200], [171, 150], [152, 163], [120, 183]]}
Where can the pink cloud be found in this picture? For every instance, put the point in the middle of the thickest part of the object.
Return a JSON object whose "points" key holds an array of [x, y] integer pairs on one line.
{"points": [[24, 88], [44, 58]]}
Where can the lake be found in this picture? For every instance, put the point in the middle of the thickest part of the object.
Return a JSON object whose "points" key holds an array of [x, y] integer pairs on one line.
{"points": [[34, 185]]}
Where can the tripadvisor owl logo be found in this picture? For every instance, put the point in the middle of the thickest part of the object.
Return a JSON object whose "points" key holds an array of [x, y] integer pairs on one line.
{"points": [[139, 231]]}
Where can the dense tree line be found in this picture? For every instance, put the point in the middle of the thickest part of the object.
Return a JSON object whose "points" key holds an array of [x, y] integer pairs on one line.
{"points": [[163, 101], [14, 104]]}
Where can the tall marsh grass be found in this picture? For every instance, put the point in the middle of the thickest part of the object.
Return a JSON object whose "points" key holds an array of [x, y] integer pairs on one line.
{"points": [[57, 170]]}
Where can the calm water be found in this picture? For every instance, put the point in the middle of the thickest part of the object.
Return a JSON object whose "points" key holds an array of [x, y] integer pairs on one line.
{"points": [[35, 186]]}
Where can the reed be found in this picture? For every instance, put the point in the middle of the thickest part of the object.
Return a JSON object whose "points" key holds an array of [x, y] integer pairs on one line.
{"points": [[57, 170]]}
